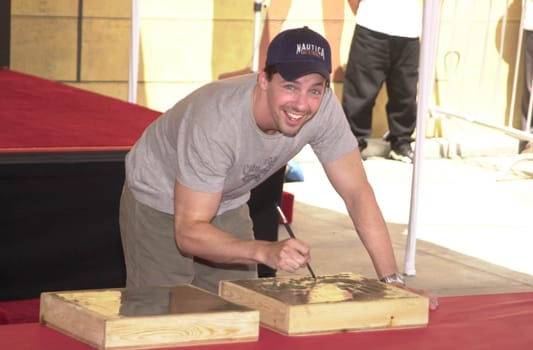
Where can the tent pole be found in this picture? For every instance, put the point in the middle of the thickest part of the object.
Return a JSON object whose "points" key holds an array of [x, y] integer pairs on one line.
{"points": [[427, 70], [258, 6], [134, 52]]}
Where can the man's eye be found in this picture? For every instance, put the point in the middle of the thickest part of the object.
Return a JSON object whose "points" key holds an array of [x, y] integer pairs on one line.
{"points": [[316, 92]]}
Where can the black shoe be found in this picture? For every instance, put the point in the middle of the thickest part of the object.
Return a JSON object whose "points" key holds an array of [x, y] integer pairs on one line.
{"points": [[525, 147], [402, 152], [362, 143]]}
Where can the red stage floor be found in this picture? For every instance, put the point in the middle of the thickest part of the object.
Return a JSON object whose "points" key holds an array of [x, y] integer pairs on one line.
{"points": [[495, 322]]}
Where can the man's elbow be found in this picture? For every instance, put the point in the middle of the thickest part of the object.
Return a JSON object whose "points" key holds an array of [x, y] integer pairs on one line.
{"points": [[183, 243]]}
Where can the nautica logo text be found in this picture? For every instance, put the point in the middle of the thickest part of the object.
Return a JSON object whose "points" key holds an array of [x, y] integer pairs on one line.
{"points": [[309, 49]]}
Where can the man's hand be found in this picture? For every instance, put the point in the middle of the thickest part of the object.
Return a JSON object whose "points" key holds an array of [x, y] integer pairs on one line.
{"points": [[288, 255], [433, 299]]}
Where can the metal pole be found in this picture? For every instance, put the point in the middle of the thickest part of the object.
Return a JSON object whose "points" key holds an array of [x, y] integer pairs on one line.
{"points": [[258, 6], [427, 70], [517, 66], [526, 127], [134, 52]]}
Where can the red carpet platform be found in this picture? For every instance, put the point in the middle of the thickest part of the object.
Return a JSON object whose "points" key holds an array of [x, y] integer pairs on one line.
{"points": [[45, 116]]}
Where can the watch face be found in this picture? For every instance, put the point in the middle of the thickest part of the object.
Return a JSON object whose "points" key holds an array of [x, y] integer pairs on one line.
{"points": [[395, 278]]}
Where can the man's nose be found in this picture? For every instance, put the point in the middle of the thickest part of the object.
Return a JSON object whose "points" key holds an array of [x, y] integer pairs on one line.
{"points": [[300, 101]]}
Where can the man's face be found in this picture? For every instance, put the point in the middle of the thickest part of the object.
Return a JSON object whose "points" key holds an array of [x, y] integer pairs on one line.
{"points": [[292, 103]]}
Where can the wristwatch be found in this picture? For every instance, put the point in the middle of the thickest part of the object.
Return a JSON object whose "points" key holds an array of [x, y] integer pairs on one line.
{"points": [[395, 278]]}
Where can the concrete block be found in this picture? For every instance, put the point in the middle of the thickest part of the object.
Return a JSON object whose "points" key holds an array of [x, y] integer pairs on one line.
{"points": [[111, 9], [105, 49], [49, 8], [45, 47]]}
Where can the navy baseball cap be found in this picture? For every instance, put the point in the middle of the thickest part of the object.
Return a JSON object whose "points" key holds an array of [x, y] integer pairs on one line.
{"points": [[298, 52]]}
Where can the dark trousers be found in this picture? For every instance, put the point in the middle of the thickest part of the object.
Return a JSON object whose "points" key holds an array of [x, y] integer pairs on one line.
{"points": [[264, 215], [376, 58]]}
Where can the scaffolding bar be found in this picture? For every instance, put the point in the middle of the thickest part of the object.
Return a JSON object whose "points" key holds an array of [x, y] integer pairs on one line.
{"points": [[516, 133]]}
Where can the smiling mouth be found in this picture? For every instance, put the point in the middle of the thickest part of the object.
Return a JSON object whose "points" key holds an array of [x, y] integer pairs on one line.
{"points": [[294, 117]]}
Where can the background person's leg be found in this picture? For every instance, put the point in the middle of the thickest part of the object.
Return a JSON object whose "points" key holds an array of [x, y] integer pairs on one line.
{"points": [[264, 215], [364, 76]]}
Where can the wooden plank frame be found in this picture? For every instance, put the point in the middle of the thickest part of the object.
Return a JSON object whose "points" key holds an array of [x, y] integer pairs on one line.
{"points": [[142, 318], [332, 304]]}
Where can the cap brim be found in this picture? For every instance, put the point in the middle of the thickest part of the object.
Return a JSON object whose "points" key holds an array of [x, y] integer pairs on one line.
{"points": [[293, 70]]}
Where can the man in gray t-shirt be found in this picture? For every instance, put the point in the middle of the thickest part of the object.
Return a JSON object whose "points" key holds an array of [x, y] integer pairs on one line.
{"points": [[183, 215]]}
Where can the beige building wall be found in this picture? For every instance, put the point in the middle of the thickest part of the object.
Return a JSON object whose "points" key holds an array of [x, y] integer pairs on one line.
{"points": [[185, 44], [475, 69], [50, 40]]}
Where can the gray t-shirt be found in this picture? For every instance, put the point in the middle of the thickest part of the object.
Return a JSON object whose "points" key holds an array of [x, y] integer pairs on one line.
{"points": [[209, 142]]}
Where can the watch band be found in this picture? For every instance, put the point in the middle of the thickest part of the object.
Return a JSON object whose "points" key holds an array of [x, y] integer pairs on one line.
{"points": [[395, 278]]}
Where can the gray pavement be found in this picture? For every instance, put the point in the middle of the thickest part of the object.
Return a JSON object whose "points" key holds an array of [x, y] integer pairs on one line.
{"points": [[474, 226]]}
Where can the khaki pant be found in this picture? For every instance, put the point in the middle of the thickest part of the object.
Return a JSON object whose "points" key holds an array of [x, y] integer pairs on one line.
{"points": [[153, 259]]}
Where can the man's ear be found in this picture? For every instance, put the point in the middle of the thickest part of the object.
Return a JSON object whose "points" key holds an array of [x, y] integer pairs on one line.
{"points": [[262, 80]]}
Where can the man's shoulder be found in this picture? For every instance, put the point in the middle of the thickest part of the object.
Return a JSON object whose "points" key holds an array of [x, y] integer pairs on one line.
{"points": [[237, 86], [330, 103]]}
